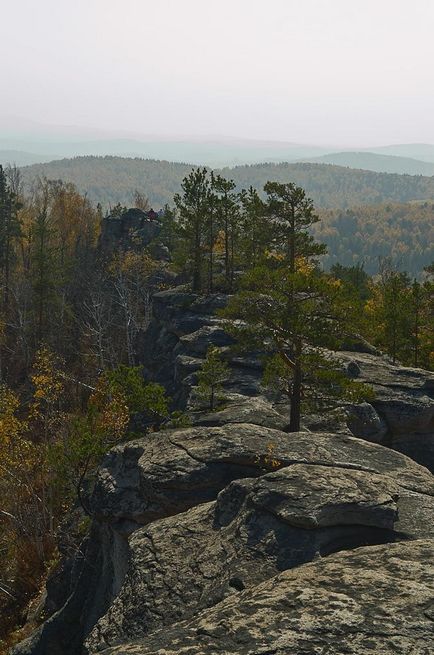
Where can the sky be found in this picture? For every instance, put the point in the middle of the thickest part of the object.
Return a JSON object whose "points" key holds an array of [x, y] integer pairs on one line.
{"points": [[347, 72]]}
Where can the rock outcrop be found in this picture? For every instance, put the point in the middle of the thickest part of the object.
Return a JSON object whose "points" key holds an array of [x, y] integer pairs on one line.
{"points": [[233, 536], [184, 325], [256, 528], [132, 229], [370, 601]]}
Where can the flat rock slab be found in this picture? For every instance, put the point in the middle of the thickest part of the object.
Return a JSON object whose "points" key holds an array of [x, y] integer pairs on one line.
{"points": [[369, 601], [171, 471]]}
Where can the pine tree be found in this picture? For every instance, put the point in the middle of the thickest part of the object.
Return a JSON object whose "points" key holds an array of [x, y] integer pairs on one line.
{"points": [[9, 230], [211, 377], [228, 214], [193, 207], [294, 341], [292, 310], [256, 228], [389, 312], [293, 214]]}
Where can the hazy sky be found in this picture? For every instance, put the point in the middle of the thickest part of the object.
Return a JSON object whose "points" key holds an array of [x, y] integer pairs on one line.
{"points": [[348, 72]]}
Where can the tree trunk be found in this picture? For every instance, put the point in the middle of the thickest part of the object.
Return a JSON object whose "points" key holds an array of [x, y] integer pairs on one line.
{"points": [[295, 415], [196, 261], [211, 253]]}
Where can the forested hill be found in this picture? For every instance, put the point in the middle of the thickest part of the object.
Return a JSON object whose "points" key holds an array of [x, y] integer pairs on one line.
{"points": [[402, 232], [337, 186], [109, 180]]}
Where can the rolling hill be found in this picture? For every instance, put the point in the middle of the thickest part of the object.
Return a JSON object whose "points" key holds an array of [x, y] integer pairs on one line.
{"points": [[376, 162], [109, 180]]}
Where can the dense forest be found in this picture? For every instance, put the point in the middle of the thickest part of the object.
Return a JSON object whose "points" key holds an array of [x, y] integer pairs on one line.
{"points": [[384, 215], [76, 305], [402, 232], [109, 180]]}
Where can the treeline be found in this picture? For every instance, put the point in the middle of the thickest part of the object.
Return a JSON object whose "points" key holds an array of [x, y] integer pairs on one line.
{"points": [[370, 215], [109, 180]]}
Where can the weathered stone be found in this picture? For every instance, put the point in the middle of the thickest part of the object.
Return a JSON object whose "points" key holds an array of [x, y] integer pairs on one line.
{"points": [[364, 422], [372, 600], [255, 529], [168, 472], [404, 402], [197, 343], [130, 229], [255, 411]]}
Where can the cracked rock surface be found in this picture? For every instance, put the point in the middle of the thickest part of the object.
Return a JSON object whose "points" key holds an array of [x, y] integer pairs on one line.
{"points": [[170, 471], [256, 528], [369, 601]]}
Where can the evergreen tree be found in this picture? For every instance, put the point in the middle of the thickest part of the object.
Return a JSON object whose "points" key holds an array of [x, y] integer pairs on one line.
{"points": [[293, 214], [292, 318], [9, 230], [292, 310], [353, 276], [193, 207], [228, 214], [45, 271], [211, 377], [256, 229], [389, 312]]}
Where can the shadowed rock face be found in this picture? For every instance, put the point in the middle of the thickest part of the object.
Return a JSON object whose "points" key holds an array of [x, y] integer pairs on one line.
{"points": [[402, 414], [363, 602], [130, 229]]}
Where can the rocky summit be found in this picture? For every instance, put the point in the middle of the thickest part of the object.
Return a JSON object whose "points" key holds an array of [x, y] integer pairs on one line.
{"points": [[233, 536]]}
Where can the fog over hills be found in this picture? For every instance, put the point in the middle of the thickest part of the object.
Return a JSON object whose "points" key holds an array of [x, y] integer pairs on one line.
{"points": [[23, 142], [378, 162]]}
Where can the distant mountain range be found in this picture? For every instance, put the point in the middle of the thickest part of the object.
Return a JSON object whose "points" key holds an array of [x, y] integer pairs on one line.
{"points": [[212, 153], [215, 153], [379, 163], [24, 142]]}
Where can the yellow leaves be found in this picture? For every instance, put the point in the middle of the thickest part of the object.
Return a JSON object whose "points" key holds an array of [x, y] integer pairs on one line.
{"points": [[130, 263], [47, 380], [17, 454], [269, 459], [111, 411], [219, 246], [303, 265]]}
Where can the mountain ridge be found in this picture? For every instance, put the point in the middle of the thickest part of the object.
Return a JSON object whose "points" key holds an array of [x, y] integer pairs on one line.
{"points": [[110, 180]]}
